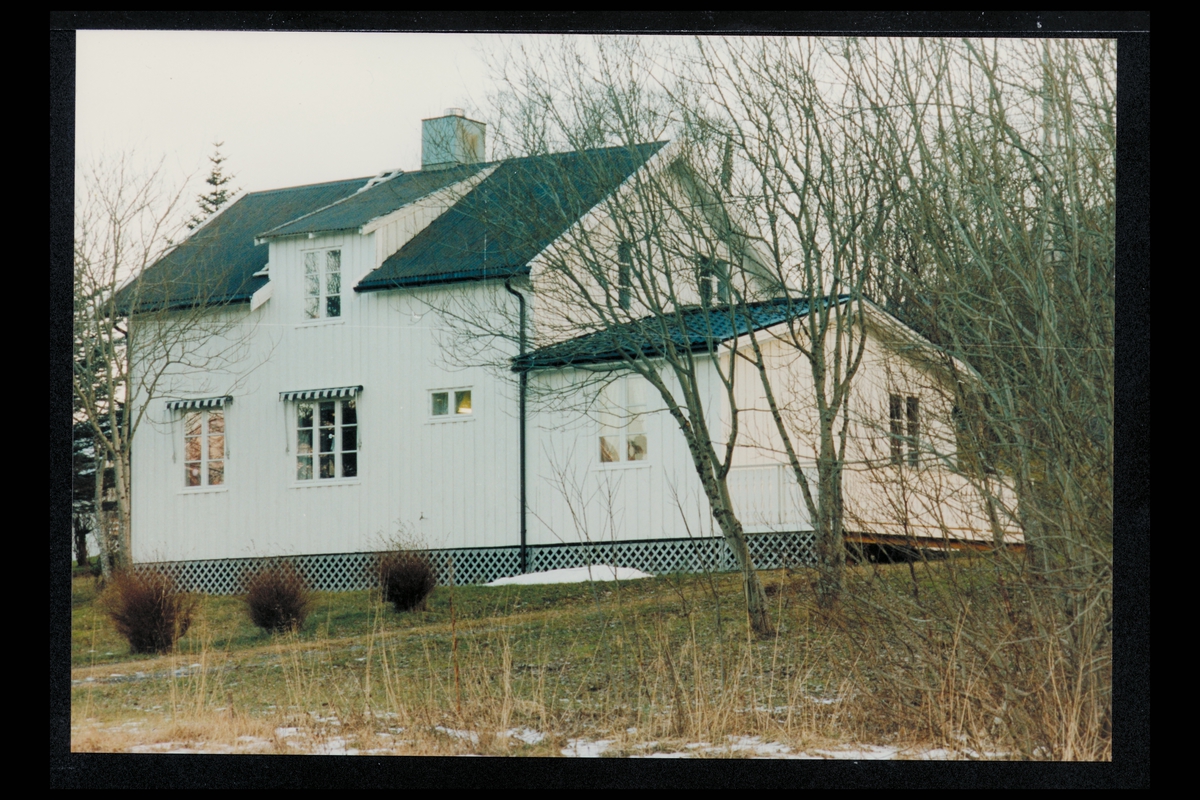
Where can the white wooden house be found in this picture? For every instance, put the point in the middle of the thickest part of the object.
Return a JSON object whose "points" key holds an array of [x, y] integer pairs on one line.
{"points": [[333, 403]]}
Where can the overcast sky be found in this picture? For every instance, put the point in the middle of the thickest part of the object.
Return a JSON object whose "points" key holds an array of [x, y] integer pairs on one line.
{"points": [[291, 108]]}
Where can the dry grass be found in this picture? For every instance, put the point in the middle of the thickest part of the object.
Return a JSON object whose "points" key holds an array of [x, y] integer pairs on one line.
{"points": [[658, 664]]}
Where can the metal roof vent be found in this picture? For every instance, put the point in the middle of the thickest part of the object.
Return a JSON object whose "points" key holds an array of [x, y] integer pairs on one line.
{"points": [[451, 140]]}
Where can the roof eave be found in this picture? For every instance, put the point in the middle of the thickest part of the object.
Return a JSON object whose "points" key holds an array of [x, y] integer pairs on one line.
{"points": [[465, 276]]}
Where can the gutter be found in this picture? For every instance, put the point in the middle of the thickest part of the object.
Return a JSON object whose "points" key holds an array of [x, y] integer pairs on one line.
{"points": [[524, 384], [380, 285]]}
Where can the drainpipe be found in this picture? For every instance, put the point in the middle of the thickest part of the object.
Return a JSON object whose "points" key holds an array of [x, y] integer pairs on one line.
{"points": [[524, 379]]}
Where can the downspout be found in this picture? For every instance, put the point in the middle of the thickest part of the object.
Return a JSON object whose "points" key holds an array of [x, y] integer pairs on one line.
{"points": [[521, 416]]}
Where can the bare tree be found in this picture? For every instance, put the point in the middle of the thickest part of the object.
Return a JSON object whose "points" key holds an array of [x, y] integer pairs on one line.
{"points": [[1001, 249], [803, 173], [642, 279], [134, 329]]}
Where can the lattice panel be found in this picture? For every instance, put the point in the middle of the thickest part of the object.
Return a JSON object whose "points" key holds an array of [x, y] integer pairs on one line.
{"points": [[469, 566], [343, 572], [656, 557], [333, 572], [778, 550]]}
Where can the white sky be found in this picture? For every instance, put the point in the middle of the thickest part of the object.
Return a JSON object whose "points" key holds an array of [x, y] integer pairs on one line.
{"points": [[291, 108]]}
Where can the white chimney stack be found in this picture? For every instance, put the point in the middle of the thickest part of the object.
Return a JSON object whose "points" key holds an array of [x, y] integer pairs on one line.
{"points": [[451, 140]]}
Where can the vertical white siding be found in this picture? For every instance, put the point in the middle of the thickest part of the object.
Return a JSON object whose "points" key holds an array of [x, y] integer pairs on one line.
{"points": [[451, 484]]}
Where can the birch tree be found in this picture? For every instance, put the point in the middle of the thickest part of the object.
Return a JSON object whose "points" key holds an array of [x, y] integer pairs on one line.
{"points": [[803, 174], [133, 332], [663, 249]]}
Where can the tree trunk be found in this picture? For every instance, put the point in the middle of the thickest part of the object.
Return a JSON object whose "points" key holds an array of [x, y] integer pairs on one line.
{"points": [[831, 545], [80, 530], [103, 539], [735, 537]]}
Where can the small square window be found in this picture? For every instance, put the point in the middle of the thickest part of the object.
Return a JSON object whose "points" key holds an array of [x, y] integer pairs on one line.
{"points": [[441, 404], [450, 404], [462, 402]]}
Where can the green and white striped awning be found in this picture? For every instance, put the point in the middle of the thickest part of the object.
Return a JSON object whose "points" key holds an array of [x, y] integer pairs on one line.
{"points": [[321, 394], [200, 402]]}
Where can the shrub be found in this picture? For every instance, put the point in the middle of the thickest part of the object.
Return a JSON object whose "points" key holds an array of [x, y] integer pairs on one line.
{"points": [[148, 609], [406, 579], [278, 598]]}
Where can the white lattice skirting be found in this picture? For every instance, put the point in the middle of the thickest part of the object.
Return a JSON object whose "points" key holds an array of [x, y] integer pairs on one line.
{"points": [[341, 572]]}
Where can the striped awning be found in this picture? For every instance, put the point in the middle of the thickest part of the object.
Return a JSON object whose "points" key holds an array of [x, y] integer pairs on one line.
{"points": [[321, 394], [201, 402]]}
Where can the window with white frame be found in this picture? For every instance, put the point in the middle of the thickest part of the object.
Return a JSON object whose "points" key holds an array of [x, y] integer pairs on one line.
{"points": [[204, 447], [322, 284], [623, 421], [712, 276], [625, 275], [904, 417], [448, 404], [327, 439]]}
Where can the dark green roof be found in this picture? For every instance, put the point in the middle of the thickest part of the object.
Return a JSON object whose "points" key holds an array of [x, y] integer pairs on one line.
{"points": [[692, 329], [366, 205], [216, 264], [510, 217]]}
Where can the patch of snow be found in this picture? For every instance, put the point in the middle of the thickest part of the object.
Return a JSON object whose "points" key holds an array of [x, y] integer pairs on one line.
{"points": [[867, 752], [335, 746], [757, 746], [469, 736], [526, 735], [599, 572], [937, 754], [585, 748]]}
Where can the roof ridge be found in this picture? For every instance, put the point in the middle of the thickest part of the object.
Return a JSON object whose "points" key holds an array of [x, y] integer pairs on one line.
{"points": [[564, 153], [306, 186]]}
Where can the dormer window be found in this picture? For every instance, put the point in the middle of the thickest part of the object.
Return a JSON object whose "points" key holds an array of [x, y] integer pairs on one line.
{"points": [[322, 284]]}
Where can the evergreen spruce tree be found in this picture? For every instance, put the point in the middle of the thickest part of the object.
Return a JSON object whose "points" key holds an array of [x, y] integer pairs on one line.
{"points": [[219, 194]]}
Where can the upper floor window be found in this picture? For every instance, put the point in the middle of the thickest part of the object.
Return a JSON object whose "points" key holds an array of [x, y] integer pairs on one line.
{"points": [[904, 418], [713, 279], [322, 284], [623, 421], [625, 275], [204, 447]]}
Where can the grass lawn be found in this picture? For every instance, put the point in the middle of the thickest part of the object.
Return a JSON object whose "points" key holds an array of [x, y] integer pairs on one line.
{"points": [[654, 665]]}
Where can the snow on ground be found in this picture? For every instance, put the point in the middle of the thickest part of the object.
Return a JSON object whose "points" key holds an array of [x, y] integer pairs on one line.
{"points": [[599, 572], [304, 741]]}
